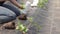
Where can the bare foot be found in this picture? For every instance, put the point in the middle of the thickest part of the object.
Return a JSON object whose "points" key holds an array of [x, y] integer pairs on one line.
{"points": [[10, 25]]}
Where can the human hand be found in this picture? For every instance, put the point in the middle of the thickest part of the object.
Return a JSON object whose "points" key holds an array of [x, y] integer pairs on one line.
{"points": [[22, 7]]}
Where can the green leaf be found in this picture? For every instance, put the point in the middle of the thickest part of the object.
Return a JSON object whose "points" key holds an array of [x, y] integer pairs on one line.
{"points": [[21, 27], [46, 1], [41, 3], [25, 30]]}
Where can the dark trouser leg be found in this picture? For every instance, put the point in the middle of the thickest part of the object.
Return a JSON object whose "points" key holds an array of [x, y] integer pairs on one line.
{"points": [[6, 15], [15, 10]]}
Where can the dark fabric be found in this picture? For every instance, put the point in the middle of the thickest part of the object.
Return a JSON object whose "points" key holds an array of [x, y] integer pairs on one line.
{"points": [[15, 10], [6, 19], [6, 15], [1, 3]]}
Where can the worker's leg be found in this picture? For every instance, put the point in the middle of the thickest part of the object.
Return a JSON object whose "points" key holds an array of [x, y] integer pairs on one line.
{"points": [[6, 15], [16, 11]]}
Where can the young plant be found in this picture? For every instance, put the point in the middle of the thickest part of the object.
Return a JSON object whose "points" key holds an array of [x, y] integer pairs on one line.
{"points": [[41, 3], [21, 27]]}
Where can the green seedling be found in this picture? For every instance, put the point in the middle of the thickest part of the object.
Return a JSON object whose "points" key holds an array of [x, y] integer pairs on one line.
{"points": [[41, 3], [25, 29], [21, 27]]}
